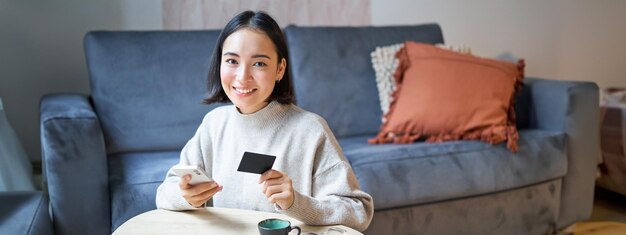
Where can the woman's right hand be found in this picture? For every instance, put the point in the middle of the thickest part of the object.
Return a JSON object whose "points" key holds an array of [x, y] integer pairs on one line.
{"points": [[198, 194]]}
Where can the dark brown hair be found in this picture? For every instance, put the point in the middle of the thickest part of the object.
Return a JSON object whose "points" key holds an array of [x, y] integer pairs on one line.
{"points": [[261, 21]]}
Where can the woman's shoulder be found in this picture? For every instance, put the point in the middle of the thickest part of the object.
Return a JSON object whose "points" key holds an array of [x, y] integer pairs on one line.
{"points": [[306, 115], [308, 118]]}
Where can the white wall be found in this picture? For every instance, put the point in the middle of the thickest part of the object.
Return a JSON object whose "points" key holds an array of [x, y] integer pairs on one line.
{"points": [[41, 51], [560, 39]]}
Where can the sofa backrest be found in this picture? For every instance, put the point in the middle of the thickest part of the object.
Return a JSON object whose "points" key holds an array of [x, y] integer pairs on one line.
{"points": [[147, 87], [333, 74]]}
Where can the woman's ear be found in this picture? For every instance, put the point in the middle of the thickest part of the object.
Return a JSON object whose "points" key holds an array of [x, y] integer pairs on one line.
{"points": [[282, 66]]}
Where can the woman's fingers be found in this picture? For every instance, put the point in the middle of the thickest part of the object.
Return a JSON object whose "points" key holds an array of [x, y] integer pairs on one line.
{"points": [[184, 182], [198, 194], [284, 200], [271, 182], [193, 190], [195, 203], [203, 197], [270, 174], [278, 197], [278, 181], [202, 187], [274, 189], [208, 194]]}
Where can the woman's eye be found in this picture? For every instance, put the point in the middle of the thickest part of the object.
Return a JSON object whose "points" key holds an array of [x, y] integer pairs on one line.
{"points": [[231, 61], [260, 64]]}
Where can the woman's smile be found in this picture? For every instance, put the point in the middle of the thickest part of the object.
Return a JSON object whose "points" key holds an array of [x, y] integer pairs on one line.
{"points": [[244, 91]]}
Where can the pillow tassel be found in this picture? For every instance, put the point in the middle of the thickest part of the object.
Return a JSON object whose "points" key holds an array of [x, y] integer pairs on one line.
{"points": [[406, 138], [492, 135], [381, 138], [512, 138], [511, 131], [442, 137], [390, 137]]}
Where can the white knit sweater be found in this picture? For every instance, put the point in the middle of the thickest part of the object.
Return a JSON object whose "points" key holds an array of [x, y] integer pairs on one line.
{"points": [[326, 189]]}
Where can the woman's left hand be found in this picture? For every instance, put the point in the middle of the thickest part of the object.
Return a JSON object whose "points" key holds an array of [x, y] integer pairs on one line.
{"points": [[277, 188]]}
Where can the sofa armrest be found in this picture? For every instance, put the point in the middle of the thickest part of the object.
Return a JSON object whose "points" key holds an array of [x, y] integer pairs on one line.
{"points": [[24, 212], [75, 165], [571, 107]]}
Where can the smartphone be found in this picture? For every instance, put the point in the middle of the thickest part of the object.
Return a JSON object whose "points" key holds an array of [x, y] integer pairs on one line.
{"points": [[197, 174]]}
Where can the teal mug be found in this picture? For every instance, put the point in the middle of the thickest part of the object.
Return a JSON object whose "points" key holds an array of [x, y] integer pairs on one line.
{"points": [[276, 227]]}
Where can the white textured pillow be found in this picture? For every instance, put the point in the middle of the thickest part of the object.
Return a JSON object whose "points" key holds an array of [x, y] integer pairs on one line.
{"points": [[385, 63], [460, 49]]}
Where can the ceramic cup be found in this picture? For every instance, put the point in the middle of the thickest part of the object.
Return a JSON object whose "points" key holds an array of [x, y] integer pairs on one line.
{"points": [[276, 227]]}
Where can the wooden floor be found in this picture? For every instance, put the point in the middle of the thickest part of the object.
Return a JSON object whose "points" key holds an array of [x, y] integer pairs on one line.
{"points": [[608, 216], [600, 228]]}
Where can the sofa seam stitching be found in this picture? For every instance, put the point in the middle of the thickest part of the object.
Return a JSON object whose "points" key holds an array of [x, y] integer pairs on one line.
{"points": [[32, 219], [66, 118], [478, 195]]}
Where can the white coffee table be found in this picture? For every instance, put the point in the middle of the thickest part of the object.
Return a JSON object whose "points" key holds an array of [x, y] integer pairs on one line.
{"points": [[211, 220]]}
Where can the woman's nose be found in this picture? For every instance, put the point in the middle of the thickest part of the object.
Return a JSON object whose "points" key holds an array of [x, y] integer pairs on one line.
{"points": [[243, 73]]}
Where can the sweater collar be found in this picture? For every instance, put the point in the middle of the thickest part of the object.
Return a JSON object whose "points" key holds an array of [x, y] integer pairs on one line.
{"points": [[268, 115]]}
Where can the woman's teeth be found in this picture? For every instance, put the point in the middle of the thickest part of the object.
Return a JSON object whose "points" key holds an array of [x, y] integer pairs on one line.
{"points": [[244, 91]]}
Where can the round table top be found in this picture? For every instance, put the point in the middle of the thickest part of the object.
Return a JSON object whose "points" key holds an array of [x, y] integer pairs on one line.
{"points": [[211, 220]]}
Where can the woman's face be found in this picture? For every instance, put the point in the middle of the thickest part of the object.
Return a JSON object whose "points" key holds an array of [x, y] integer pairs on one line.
{"points": [[249, 69]]}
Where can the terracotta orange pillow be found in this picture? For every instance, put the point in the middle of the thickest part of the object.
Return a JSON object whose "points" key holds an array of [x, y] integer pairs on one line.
{"points": [[443, 95]]}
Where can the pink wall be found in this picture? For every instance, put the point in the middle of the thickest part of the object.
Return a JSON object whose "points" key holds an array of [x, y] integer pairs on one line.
{"points": [[214, 14]]}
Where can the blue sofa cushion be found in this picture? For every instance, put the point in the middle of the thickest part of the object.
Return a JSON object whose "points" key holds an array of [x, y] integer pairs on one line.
{"points": [[133, 180], [331, 65], [412, 174], [147, 87]]}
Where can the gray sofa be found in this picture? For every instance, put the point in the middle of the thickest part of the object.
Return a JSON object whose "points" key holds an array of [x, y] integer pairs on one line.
{"points": [[24, 212], [105, 153]]}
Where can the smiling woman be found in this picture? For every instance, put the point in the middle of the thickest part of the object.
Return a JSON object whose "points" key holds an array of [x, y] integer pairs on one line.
{"points": [[311, 180]]}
